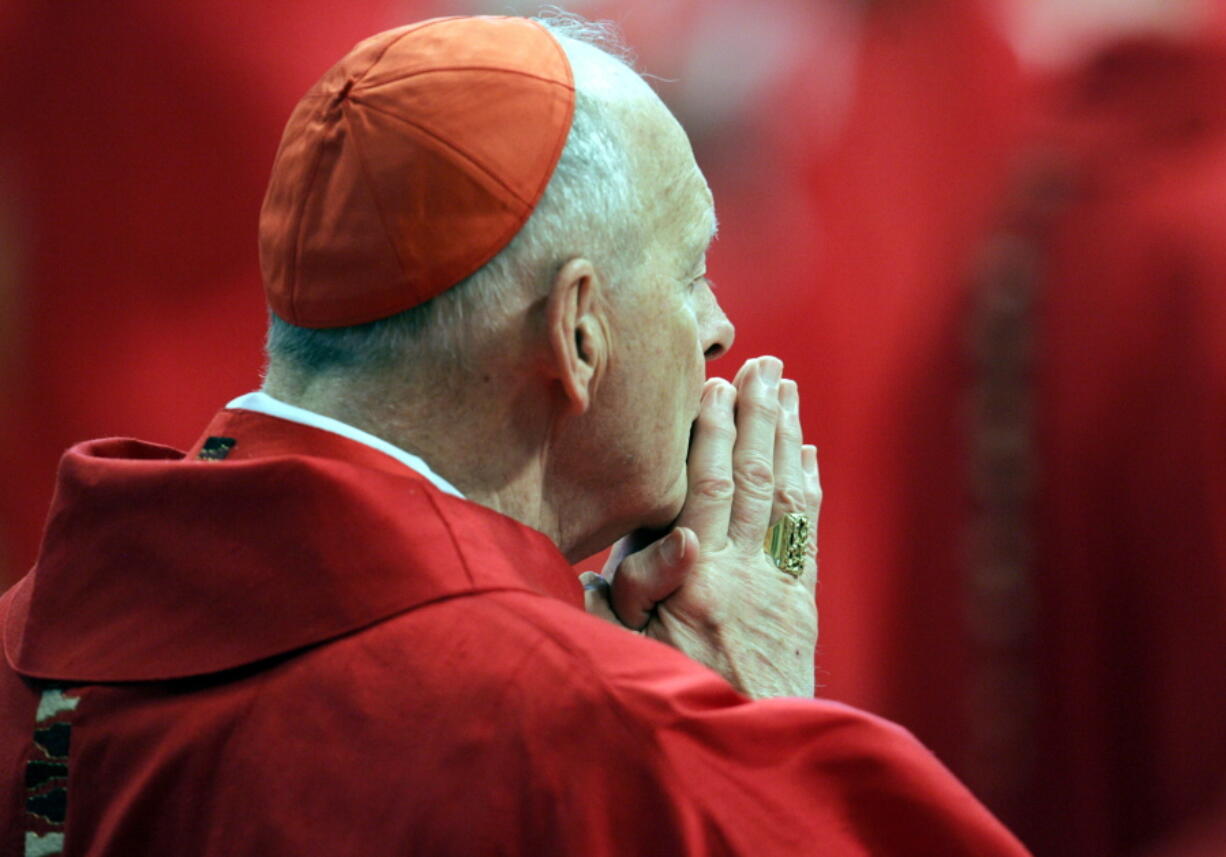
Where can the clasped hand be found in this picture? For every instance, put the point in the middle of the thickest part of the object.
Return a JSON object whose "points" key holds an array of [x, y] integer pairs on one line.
{"points": [[706, 586]]}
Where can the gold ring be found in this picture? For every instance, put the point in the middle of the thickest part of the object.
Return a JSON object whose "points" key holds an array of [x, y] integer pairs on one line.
{"points": [[787, 543]]}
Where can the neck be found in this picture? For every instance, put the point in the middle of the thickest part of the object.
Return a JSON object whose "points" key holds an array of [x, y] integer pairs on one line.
{"points": [[488, 436]]}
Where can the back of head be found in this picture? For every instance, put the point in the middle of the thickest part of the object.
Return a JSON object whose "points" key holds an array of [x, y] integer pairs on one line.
{"points": [[408, 272]]}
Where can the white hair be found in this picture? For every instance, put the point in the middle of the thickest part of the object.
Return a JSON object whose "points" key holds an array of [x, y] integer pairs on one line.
{"points": [[590, 208]]}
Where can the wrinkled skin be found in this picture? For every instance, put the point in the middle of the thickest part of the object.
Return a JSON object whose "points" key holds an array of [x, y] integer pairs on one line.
{"points": [[705, 585]]}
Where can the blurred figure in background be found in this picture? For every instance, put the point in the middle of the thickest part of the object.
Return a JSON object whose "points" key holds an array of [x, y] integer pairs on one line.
{"points": [[1105, 285], [1020, 290]]}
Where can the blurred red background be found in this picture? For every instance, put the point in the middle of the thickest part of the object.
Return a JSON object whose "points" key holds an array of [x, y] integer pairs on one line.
{"points": [[986, 237]]}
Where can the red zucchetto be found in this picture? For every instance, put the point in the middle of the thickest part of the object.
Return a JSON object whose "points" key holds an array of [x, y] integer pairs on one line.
{"points": [[409, 165]]}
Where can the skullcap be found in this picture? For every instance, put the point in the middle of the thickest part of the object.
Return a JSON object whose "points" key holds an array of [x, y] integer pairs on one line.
{"points": [[409, 165]]}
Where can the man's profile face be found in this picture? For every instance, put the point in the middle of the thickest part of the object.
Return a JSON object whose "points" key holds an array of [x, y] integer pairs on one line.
{"points": [[667, 322]]}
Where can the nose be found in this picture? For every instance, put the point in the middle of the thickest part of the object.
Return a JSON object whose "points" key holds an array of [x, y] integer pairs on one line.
{"points": [[717, 331]]}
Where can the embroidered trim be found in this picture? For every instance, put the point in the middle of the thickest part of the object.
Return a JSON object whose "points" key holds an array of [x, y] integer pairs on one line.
{"points": [[47, 774], [216, 448]]}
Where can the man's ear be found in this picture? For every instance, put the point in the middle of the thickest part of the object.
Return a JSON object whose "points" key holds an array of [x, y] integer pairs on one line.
{"points": [[575, 323]]}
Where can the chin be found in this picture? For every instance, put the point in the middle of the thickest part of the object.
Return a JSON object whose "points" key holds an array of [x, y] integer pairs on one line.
{"points": [[667, 511]]}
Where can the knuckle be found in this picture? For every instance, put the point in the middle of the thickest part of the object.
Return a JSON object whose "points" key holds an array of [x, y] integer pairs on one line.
{"points": [[789, 497], [755, 474], [717, 426], [789, 431], [717, 488], [759, 407], [769, 410]]}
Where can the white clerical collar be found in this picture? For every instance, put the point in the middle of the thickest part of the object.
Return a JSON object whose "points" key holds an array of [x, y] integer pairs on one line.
{"points": [[263, 403]]}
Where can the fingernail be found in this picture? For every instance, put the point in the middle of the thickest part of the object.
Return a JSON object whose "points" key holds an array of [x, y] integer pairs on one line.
{"points": [[592, 581], [772, 371], [789, 395], [674, 547]]}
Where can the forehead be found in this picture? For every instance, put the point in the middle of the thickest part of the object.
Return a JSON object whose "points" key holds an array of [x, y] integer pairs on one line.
{"points": [[686, 217], [676, 193]]}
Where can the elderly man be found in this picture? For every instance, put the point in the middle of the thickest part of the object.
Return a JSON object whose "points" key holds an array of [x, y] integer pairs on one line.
{"points": [[345, 623]]}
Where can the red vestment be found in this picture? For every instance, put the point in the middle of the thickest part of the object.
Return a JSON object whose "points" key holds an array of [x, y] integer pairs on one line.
{"points": [[306, 648], [1130, 430]]}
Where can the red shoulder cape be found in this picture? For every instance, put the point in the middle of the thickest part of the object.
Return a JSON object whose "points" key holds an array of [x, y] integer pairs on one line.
{"points": [[126, 588]]}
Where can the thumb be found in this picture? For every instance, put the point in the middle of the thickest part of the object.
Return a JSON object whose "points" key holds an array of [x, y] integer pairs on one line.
{"points": [[645, 578]]}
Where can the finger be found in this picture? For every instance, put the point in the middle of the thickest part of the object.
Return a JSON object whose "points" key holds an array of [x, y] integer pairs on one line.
{"points": [[650, 576], [632, 543], [708, 501], [813, 480], [813, 499], [596, 596], [789, 472], [748, 366], [757, 414]]}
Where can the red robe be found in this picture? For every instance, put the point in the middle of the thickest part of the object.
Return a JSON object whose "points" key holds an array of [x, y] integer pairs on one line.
{"points": [[1130, 427], [306, 648]]}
